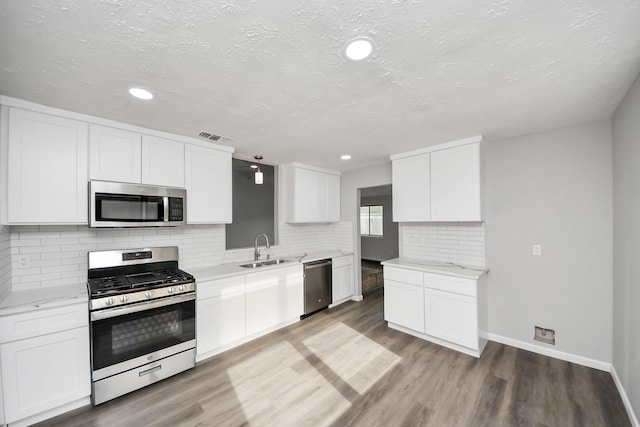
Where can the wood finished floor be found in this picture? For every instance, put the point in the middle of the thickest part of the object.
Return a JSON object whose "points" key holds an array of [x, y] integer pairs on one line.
{"points": [[345, 367]]}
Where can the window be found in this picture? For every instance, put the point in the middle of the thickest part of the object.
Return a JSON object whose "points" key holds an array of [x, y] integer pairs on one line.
{"points": [[371, 220]]}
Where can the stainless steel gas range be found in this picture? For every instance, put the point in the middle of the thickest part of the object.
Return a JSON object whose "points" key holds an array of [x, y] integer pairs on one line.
{"points": [[142, 312]]}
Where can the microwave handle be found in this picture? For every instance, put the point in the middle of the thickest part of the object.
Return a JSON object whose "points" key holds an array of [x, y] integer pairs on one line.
{"points": [[165, 203]]}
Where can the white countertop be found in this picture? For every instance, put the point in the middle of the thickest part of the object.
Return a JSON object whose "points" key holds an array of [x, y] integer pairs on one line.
{"points": [[438, 267], [234, 269], [40, 298]]}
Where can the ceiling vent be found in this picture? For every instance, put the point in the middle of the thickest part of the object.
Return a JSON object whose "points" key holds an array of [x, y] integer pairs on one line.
{"points": [[212, 137]]}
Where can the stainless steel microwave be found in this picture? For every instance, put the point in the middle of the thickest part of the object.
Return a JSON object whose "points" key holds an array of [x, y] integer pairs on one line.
{"points": [[117, 204]]}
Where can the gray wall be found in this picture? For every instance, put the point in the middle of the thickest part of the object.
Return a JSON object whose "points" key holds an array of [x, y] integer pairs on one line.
{"points": [[555, 189], [253, 206], [626, 244], [385, 247]]}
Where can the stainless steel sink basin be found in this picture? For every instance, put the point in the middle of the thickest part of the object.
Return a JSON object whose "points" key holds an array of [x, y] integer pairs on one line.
{"points": [[261, 263]]}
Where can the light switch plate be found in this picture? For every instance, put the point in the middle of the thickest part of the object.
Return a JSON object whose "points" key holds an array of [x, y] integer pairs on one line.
{"points": [[536, 249]]}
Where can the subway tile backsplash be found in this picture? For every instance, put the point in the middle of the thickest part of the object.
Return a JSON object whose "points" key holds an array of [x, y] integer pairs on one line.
{"points": [[457, 242], [42, 256]]}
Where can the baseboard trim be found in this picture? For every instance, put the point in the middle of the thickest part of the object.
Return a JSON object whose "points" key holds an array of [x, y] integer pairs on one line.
{"points": [[625, 398], [580, 360]]}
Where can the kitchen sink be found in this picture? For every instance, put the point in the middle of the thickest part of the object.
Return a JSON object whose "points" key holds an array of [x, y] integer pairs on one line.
{"points": [[261, 263]]}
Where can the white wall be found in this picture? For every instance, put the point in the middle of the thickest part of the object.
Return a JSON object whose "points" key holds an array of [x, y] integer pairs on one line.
{"points": [[350, 184], [626, 244], [554, 189]]}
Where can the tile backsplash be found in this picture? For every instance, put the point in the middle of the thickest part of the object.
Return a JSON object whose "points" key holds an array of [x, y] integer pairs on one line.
{"points": [[42, 256], [457, 242], [5, 260]]}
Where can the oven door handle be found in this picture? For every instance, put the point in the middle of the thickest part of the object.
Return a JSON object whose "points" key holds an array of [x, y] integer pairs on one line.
{"points": [[143, 306]]}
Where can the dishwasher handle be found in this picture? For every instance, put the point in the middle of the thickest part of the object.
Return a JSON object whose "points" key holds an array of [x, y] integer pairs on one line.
{"points": [[317, 264]]}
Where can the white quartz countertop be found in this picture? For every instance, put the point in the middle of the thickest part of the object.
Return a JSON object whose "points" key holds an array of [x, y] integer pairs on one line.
{"points": [[40, 298], [438, 267], [234, 269]]}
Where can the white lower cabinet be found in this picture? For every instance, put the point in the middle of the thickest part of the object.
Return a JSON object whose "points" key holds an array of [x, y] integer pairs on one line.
{"points": [[44, 372], [220, 312], [447, 310], [403, 305], [273, 297], [234, 310], [451, 317], [342, 282]]}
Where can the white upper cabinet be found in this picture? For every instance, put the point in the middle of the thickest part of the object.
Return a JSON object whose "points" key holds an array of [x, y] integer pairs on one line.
{"points": [[125, 156], [45, 159], [162, 161], [311, 195], [114, 154], [439, 183], [208, 184], [455, 184], [411, 189]]}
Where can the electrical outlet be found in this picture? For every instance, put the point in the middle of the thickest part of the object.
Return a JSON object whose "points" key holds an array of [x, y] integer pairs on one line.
{"points": [[536, 249], [24, 261], [544, 335]]}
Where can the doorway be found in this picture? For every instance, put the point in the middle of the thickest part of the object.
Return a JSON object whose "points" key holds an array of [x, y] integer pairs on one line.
{"points": [[378, 234]]}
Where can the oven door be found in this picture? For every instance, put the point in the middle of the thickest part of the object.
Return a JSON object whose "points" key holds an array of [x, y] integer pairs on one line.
{"points": [[123, 338]]}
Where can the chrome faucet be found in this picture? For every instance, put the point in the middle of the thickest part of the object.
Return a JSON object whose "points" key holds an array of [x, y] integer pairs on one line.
{"points": [[256, 253]]}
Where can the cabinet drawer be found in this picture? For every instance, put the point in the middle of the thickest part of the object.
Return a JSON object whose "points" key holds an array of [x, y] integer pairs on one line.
{"points": [[456, 285], [403, 275], [227, 287], [43, 322], [341, 261]]}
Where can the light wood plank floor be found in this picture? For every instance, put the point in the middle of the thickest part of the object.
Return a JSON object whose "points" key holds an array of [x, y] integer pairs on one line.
{"points": [[345, 367]]}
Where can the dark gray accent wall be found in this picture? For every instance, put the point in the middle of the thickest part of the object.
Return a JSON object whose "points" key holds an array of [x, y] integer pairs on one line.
{"points": [[385, 247], [253, 206]]}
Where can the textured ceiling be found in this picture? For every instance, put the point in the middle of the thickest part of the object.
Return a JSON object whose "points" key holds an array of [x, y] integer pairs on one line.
{"points": [[271, 75]]}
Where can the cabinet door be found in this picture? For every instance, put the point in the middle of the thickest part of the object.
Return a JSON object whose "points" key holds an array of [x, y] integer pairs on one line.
{"points": [[306, 196], [45, 372], [342, 283], [221, 321], [114, 154], [411, 189], [47, 169], [404, 304], [451, 317], [162, 162], [455, 184], [333, 198], [208, 184], [273, 297]]}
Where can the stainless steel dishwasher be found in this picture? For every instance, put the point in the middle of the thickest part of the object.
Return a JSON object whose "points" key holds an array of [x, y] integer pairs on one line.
{"points": [[317, 286]]}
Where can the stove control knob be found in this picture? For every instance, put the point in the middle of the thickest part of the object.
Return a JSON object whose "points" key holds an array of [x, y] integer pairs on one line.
{"points": [[124, 298], [181, 288], [109, 301], [170, 290], [147, 294]]}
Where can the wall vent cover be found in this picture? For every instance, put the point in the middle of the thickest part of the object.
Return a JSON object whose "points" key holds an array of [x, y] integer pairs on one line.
{"points": [[213, 137]]}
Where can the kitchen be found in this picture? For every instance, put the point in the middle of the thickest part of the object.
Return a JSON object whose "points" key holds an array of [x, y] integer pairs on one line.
{"points": [[565, 182]]}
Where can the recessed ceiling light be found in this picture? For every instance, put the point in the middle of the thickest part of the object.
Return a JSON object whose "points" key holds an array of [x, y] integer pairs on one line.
{"points": [[346, 157], [140, 93], [359, 48]]}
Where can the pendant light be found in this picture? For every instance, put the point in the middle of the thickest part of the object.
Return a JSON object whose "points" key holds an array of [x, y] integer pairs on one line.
{"points": [[258, 176]]}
